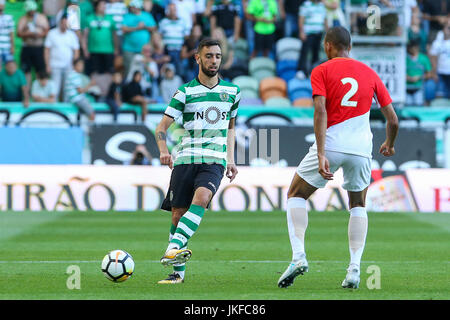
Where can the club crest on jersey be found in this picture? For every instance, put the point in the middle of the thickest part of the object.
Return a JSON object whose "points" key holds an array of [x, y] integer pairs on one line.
{"points": [[224, 96]]}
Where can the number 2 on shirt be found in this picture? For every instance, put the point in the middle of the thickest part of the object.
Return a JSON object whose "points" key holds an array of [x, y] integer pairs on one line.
{"points": [[345, 102]]}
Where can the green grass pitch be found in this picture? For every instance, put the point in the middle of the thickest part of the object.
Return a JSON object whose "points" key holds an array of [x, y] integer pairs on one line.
{"points": [[236, 255]]}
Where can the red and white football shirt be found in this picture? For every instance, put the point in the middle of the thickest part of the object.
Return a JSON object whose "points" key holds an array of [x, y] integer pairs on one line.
{"points": [[349, 87]]}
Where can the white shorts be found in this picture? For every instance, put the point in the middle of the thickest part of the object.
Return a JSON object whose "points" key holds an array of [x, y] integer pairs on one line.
{"points": [[357, 169]]}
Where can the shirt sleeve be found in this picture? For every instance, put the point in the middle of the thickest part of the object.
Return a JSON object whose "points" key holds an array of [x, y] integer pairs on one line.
{"points": [[382, 95], [234, 107], [176, 106], [318, 82]]}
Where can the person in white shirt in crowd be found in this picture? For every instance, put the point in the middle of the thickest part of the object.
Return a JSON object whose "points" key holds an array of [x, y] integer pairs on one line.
{"points": [[173, 31], [62, 47], [43, 89], [440, 60], [7, 26]]}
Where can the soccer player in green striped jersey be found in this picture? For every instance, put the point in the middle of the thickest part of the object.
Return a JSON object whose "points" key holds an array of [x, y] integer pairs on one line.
{"points": [[207, 107]]}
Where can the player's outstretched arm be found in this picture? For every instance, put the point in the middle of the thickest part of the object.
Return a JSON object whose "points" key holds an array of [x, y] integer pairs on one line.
{"points": [[387, 148], [161, 133], [231, 166]]}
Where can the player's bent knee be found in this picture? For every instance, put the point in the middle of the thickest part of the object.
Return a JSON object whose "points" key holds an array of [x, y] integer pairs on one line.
{"points": [[202, 197]]}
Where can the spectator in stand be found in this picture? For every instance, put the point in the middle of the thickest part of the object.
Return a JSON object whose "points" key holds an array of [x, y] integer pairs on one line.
{"points": [[291, 8], [32, 28], [43, 89], [159, 54], [249, 29], [201, 17], [6, 34], [418, 72], [76, 25], [417, 34], [188, 51], [100, 42], [114, 95], [148, 69], [435, 12], [226, 16], [50, 8], [312, 25], [409, 7], [75, 90], [170, 82], [137, 28], [141, 156], [132, 94], [13, 84], [335, 15], [117, 9], [155, 9], [173, 31], [264, 14], [186, 11], [61, 49], [440, 59], [227, 53]]}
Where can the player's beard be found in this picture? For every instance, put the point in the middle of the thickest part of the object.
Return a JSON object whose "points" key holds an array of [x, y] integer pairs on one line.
{"points": [[207, 72]]}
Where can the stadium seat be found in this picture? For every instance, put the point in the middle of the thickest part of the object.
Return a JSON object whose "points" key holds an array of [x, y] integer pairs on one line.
{"points": [[288, 49], [261, 68], [440, 102], [240, 48], [248, 85], [287, 69], [299, 88], [272, 87], [250, 102], [303, 102], [277, 102]]}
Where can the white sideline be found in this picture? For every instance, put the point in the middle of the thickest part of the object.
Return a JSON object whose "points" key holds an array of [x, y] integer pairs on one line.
{"points": [[219, 261]]}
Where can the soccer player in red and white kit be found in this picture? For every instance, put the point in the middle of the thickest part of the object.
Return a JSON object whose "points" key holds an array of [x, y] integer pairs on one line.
{"points": [[343, 90]]}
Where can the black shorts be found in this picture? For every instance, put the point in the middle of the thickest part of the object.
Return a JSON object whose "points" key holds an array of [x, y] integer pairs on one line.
{"points": [[101, 63], [32, 57], [264, 42], [186, 178]]}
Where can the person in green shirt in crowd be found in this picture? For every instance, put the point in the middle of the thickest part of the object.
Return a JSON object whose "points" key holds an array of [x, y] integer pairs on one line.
{"points": [[264, 14], [418, 70], [100, 41], [13, 84]]}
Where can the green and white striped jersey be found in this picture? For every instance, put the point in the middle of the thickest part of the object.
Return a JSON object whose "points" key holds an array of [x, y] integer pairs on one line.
{"points": [[205, 114]]}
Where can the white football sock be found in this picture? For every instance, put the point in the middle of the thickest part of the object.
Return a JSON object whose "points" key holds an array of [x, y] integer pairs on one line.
{"points": [[357, 231], [297, 219]]}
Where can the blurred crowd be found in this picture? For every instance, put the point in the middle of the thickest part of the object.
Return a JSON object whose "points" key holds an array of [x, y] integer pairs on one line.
{"points": [[141, 51]]}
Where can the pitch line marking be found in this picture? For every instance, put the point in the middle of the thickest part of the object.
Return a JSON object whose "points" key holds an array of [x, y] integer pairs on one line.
{"points": [[202, 261]]}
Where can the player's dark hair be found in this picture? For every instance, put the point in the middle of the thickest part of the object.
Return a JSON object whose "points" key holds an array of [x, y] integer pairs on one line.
{"points": [[208, 42], [339, 37]]}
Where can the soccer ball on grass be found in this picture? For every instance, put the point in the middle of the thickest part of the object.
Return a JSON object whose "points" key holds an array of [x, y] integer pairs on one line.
{"points": [[118, 265]]}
